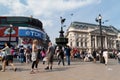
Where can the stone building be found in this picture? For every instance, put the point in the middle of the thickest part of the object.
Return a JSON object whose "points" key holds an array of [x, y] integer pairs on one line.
{"points": [[86, 36]]}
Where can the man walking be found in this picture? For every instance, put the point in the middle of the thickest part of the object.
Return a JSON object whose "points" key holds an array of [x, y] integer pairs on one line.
{"points": [[67, 52], [50, 54]]}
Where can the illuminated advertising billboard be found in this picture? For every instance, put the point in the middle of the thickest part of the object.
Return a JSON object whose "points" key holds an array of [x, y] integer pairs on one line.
{"points": [[31, 32], [5, 31], [5, 35]]}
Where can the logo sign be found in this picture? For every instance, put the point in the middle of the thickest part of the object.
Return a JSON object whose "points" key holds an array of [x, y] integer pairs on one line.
{"points": [[5, 31], [31, 32]]}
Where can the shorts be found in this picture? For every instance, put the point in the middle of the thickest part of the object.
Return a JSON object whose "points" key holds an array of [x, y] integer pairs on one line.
{"points": [[8, 58], [50, 58]]}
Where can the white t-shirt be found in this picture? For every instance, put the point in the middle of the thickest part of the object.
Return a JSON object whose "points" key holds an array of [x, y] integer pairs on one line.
{"points": [[105, 53], [118, 54]]}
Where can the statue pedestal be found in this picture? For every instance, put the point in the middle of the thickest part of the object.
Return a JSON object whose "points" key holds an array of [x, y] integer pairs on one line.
{"points": [[61, 41]]}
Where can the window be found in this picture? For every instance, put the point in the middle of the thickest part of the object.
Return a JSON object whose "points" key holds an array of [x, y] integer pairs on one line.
{"points": [[70, 43], [85, 44], [3, 20], [81, 44], [77, 43], [81, 39], [81, 35]]}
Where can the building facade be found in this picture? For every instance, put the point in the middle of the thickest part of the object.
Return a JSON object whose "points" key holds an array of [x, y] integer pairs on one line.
{"points": [[21, 31], [86, 36]]}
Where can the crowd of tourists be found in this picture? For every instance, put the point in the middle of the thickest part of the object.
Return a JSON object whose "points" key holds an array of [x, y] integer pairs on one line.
{"points": [[33, 54]]}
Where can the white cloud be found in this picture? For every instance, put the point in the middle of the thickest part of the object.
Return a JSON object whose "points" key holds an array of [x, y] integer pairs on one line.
{"points": [[47, 23], [15, 7], [46, 9]]}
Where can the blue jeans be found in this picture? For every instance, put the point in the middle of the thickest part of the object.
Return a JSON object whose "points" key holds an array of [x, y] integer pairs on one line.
{"points": [[68, 59], [21, 57]]}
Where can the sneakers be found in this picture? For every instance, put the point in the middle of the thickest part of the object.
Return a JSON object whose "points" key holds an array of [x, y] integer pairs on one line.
{"points": [[15, 69], [51, 68], [32, 72], [47, 68], [2, 70], [37, 70]]}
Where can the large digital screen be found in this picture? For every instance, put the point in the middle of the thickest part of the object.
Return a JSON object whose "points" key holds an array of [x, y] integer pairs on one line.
{"points": [[31, 32], [6, 31]]}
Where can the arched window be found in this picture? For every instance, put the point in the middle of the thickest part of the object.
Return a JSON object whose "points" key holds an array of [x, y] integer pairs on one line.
{"points": [[77, 43], [70, 43], [85, 42]]}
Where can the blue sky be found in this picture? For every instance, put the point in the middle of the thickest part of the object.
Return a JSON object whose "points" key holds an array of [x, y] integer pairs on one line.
{"points": [[49, 12]]}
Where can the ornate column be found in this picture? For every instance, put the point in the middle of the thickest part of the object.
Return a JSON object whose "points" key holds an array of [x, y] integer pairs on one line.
{"points": [[115, 44], [95, 42], [106, 47], [89, 42]]}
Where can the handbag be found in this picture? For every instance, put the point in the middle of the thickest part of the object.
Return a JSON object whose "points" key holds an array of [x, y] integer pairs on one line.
{"points": [[45, 59]]}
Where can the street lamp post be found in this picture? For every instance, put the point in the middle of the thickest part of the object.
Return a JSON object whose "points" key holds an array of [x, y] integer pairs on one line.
{"points": [[99, 20], [10, 33], [93, 39]]}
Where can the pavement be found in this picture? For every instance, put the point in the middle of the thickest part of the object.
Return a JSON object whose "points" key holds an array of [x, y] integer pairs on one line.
{"points": [[76, 71]]}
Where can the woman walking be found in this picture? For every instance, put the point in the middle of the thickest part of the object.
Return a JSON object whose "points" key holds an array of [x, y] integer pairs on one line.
{"points": [[7, 58], [105, 55], [61, 56], [34, 57], [27, 54], [43, 54]]}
